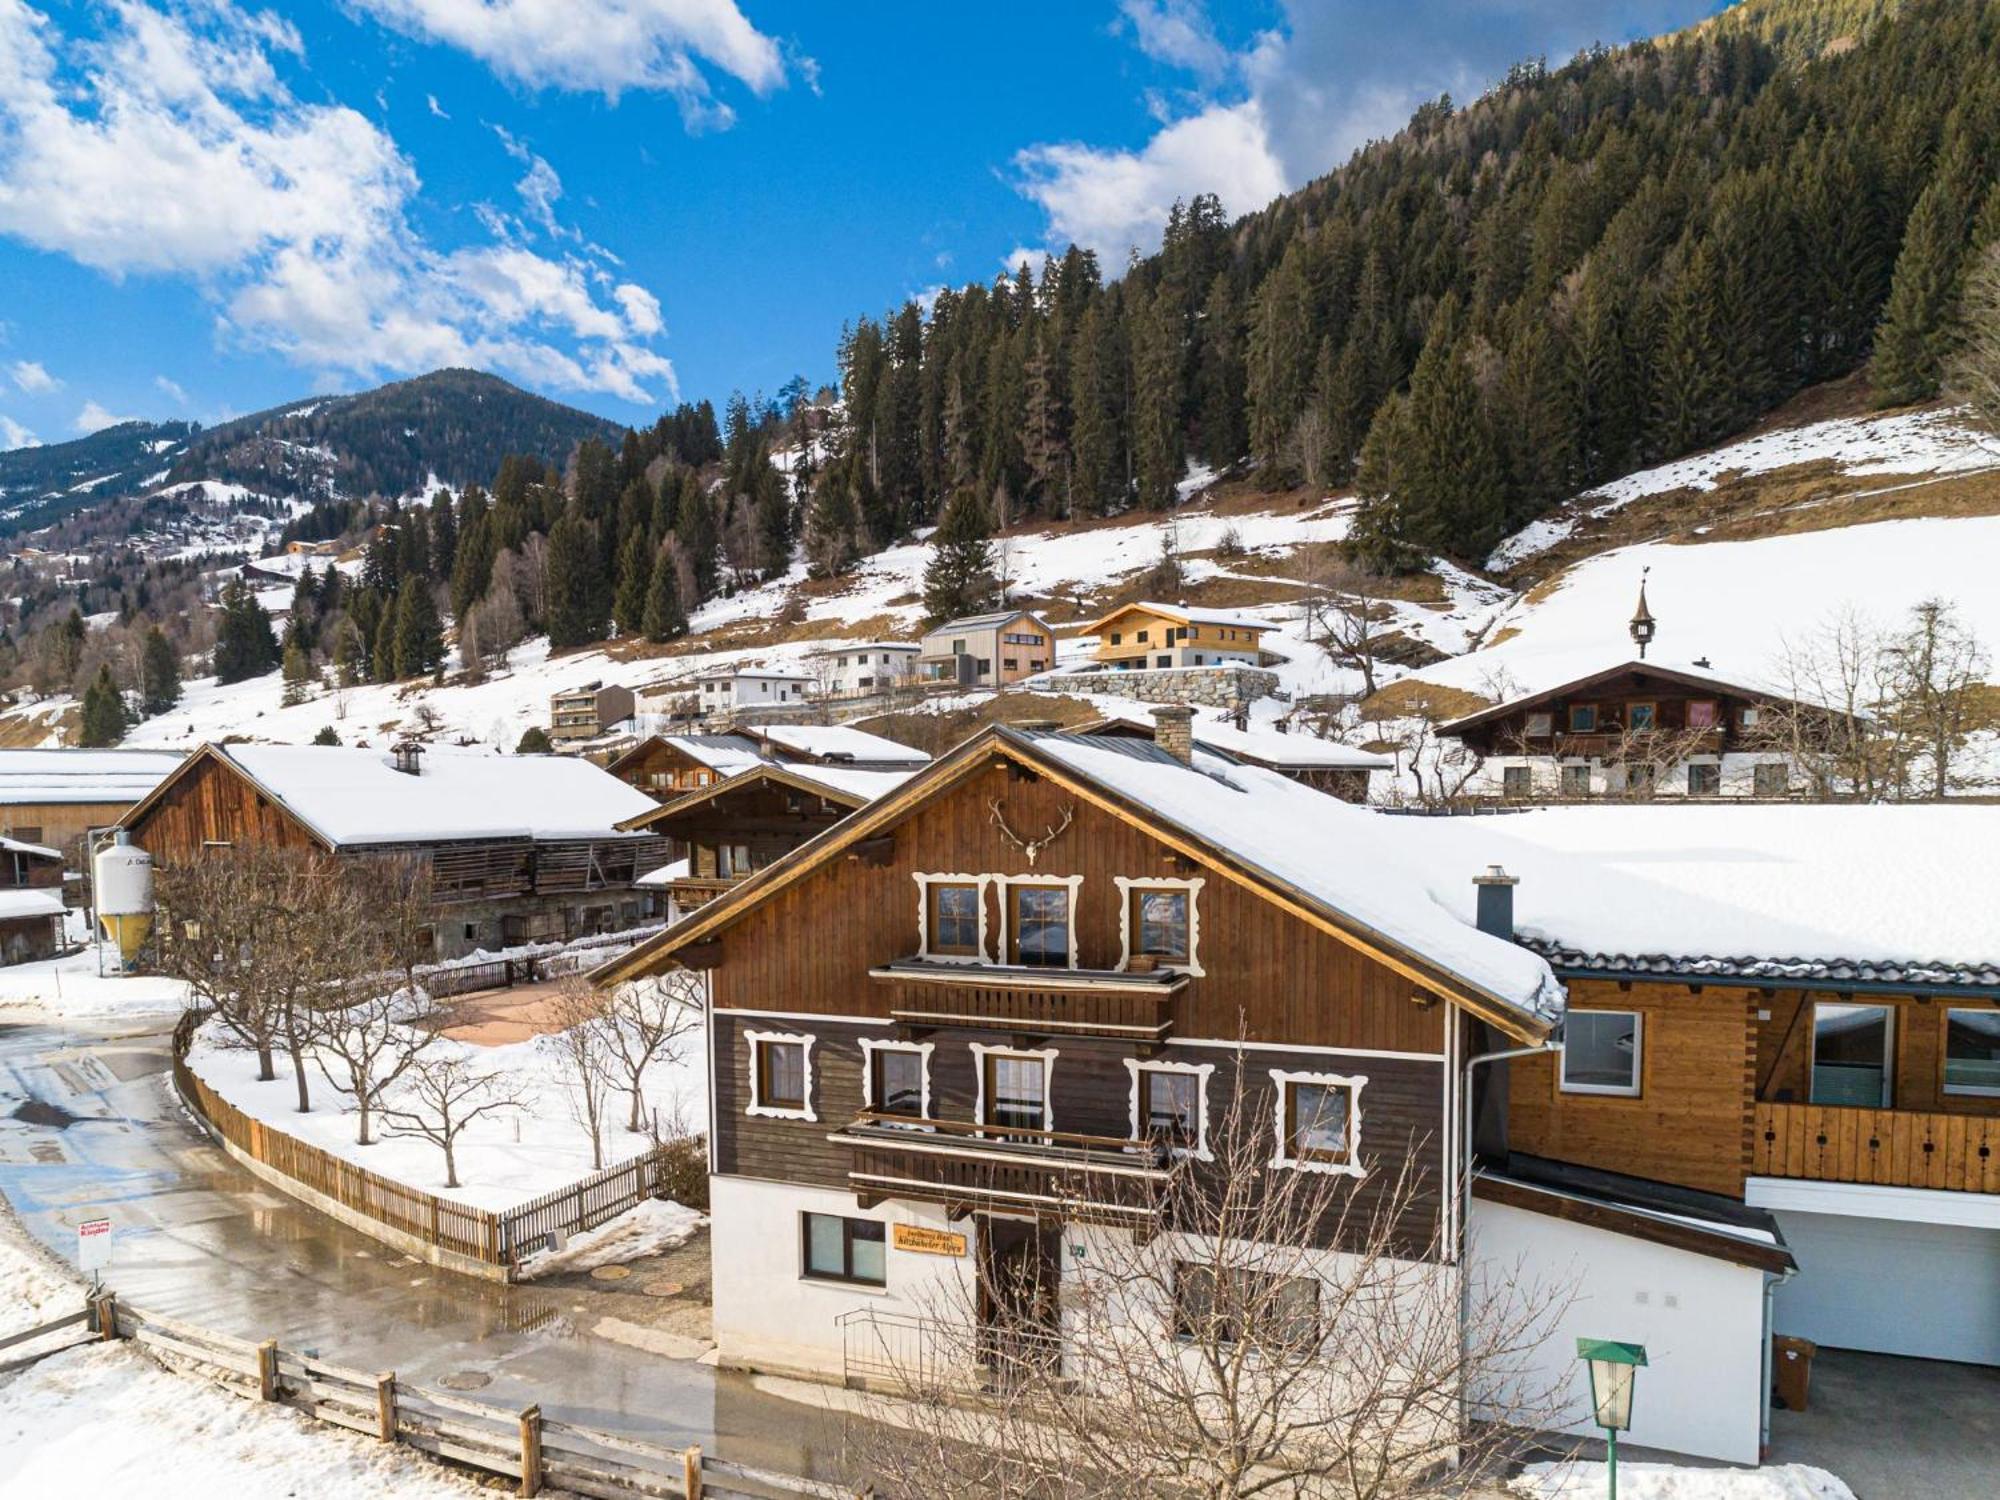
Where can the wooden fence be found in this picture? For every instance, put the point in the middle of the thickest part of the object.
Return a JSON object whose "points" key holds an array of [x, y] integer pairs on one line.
{"points": [[532, 1449], [479, 1235]]}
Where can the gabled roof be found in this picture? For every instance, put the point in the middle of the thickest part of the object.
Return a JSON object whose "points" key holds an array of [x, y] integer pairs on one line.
{"points": [[346, 797], [750, 674], [863, 647], [834, 741], [986, 621], [851, 789], [1682, 676], [1186, 614], [726, 753], [1326, 861], [36, 776], [1266, 747]]}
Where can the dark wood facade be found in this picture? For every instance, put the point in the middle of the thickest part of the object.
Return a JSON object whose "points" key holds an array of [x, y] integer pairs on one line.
{"points": [[1613, 714], [663, 771], [730, 829]]}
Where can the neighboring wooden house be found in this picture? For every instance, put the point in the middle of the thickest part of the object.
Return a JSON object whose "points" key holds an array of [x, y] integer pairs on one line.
{"points": [[989, 650], [54, 797], [1044, 950], [1149, 636], [866, 670], [663, 766], [588, 712], [31, 902], [518, 848], [1324, 765]]}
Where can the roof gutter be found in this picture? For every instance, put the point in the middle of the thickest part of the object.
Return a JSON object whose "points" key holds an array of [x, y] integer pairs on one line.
{"points": [[1782, 982]]}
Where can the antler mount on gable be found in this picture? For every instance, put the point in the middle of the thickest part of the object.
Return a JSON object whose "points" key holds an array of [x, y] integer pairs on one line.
{"points": [[1031, 847]]}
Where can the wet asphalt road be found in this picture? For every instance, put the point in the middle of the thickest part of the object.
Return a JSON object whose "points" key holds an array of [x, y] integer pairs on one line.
{"points": [[89, 1126]]}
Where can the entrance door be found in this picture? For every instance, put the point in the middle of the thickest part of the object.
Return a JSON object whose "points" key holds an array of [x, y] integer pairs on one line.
{"points": [[1020, 1276]]}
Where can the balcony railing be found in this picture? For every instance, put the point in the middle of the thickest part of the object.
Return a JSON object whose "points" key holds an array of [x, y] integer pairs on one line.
{"points": [[1078, 1002], [690, 891], [969, 1167], [1884, 1147]]}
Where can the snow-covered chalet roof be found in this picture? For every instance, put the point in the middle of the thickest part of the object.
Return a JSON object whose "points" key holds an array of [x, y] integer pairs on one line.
{"points": [[1895, 893], [34, 776], [820, 741], [1299, 752], [355, 796], [1195, 615], [18, 905], [723, 753]]}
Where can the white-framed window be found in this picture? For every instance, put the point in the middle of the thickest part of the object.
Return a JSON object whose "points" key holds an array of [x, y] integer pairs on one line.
{"points": [[1169, 1101], [781, 1075], [1972, 1051], [1013, 1086], [1603, 1052], [950, 910], [896, 1077], [1160, 919], [1038, 920], [1318, 1121]]}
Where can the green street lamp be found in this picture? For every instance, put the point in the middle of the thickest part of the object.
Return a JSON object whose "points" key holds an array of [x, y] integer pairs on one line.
{"points": [[1613, 1368]]}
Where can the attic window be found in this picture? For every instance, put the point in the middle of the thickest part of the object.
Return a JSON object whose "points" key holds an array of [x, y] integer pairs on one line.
{"points": [[406, 755]]}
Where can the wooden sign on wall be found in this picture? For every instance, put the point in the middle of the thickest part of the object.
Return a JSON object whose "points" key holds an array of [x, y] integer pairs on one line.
{"points": [[924, 1241]]}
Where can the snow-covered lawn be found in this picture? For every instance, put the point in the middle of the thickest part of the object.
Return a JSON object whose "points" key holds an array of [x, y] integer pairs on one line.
{"points": [[504, 1159], [655, 1226], [72, 987], [1586, 1481]]}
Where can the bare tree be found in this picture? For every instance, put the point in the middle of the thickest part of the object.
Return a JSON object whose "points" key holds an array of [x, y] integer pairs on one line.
{"points": [[444, 1093], [1271, 1331], [367, 1047], [646, 1020], [583, 1053], [1939, 668], [1346, 613]]}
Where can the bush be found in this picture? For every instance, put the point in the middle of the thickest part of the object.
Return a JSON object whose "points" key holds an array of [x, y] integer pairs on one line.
{"points": [[534, 741], [326, 736], [685, 1179], [1230, 543]]}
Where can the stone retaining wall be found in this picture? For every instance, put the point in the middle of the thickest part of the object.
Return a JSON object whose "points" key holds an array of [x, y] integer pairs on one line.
{"points": [[1229, 687]]}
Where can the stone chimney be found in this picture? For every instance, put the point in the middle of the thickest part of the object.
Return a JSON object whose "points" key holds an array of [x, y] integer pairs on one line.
{"points": [[1496, 902], [1173, 731]]}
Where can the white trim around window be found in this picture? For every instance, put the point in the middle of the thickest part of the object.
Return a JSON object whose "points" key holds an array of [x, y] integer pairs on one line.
{"points": [[924, 883], [1199, 1072], [1282, 1082], [1127, 885], [1630, 1090], [1009, 882], [756, 1106], [983, 1050], [872, 1045]]}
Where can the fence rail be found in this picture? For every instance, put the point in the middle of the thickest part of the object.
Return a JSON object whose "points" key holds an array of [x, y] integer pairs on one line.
{"points": [[522, 1445], [487, 1238]]}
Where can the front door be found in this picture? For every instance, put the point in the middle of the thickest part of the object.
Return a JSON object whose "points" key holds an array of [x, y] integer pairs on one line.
{"points": [[1020, 1277]]}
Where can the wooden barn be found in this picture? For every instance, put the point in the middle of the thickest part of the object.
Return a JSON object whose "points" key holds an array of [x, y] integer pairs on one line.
{"points": [[52, 798], [519, 848]]}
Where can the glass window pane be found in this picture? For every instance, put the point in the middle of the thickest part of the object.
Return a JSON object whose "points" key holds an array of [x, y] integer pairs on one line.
{"points": [[1600, 1049], [1017, 1092], [957, 918], [870, 1254], [899, 1082], [1972, 1052], [1041, 925], [784, 1082], [1168, 1104], [1851, 1055], [1163, 923], [1319, 1120], [825, 1252]]}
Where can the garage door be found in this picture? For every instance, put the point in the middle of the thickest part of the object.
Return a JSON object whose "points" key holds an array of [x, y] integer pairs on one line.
{"points": [[1928, 1290]]}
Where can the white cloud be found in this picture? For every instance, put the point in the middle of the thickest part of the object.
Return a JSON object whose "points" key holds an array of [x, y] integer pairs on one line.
{"points": [[1178, 33], [14, 435], [95, 418], [436, 108], [32, 378], [170, 145], [540, 188], [171, 389], [603, 46]]}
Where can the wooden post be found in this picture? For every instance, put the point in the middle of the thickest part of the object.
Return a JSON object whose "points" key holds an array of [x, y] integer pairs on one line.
{"points": [[691, 1472], [267, 1370], [385, 1406], [531, 1451], [106, 1309]]}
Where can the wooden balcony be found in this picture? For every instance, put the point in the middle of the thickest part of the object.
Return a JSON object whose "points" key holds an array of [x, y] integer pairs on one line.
{"points": [[1884, 1147], [969, 1167], [691, 891], [1053, 1002]]}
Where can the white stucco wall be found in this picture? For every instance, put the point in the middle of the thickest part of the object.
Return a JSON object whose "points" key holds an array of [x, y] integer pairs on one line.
{"points": [[769, 1316], [1699, 1318]]}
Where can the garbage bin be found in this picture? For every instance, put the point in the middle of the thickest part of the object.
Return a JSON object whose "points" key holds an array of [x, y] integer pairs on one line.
{"points": [[1791, 1369]]}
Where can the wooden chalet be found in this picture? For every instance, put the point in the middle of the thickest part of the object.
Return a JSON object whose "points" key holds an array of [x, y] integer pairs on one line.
{"points": [[54, 798], [963, 1030], [518, 848], [31, 902], [1148, 636], [666, 766]]}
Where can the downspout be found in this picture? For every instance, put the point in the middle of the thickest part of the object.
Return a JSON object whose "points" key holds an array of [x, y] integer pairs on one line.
{"points": [[1771, 1285]]}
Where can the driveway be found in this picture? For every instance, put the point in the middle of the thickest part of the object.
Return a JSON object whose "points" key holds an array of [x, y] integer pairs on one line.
{"points": [[89, 1125], [1897, 1429]]}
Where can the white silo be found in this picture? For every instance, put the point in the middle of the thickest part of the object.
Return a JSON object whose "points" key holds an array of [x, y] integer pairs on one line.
{"points": [[122, 877]]}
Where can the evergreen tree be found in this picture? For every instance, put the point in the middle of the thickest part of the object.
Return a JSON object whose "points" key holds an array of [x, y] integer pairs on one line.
{"points": [[350, 655], [1913, 340], [665, 620], [159, 674], [635, 574], [832, 519], [1222, 433], [245, 646], [326, 736], [695, 527], [1157, 433], [298, 672], [579, 601], [103, 712], [534, 741], [419, 636], [1097, 405], [958, 580]]}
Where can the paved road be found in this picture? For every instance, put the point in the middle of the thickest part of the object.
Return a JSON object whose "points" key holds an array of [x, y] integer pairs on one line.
{"points": [[89, 1125]]}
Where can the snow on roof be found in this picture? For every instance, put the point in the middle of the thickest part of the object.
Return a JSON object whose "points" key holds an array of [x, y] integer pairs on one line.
{"points": [[35, 851], [665, 875], [820, 740], [18, 905], [1343, 855], [867, 785], [1760, 889], [977, 622], [854, 646], [727, 753], [733, 674], [354, 796], [31, 776], [1195, 616], [1266, 746]]}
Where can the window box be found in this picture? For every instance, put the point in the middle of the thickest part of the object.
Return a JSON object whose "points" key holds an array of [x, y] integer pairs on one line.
{"points": [[1602, 1052], [835, 1248], [1318, 1121], [780, 1075]]}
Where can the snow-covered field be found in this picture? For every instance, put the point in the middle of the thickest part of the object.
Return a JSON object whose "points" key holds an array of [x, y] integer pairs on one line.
{"points": [[1587, 1481], [1909, 443], [72, 987], [505, 1158]]}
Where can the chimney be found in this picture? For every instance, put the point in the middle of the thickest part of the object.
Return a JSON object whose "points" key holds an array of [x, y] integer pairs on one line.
{"points": [[1496, 902], [406, 753], [1173, 731]]}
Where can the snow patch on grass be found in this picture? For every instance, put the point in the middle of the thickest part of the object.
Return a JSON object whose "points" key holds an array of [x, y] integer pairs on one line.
{"points": [[654, 1226], [1587, 1481]]}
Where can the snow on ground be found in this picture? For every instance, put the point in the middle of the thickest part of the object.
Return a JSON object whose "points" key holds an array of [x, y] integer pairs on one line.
{"points": [[1923, 442], [1738, 604], [1638, 1481], [504, 1159], [655, 1226], [71, 986]]}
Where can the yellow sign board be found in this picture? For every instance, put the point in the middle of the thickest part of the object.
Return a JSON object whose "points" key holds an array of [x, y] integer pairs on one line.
{"points": [[926, 1241]]}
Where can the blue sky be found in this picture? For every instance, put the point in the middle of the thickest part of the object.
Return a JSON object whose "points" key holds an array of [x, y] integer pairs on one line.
{"points": [[209, 207]]}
